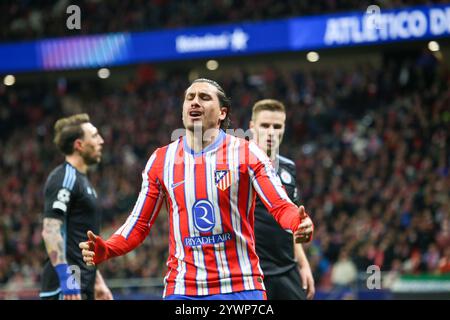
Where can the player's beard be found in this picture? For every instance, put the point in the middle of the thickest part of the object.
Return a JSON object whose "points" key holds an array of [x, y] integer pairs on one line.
{"points": [[90, 159]]}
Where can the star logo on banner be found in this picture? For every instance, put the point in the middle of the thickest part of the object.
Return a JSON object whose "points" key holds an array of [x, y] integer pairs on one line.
{"points": [[238, 40]]}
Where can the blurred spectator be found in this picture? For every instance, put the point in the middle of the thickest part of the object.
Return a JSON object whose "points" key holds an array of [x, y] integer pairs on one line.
{"points": [[372, 153], [444, 264], [344, 272], [25, 19]]}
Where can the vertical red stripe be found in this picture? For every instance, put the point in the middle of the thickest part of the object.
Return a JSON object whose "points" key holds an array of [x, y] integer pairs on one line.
{"points": [[247, 221], [208, 250], [224, 205], [180, 196], [237, 283], [171, 261], [262, 177]]}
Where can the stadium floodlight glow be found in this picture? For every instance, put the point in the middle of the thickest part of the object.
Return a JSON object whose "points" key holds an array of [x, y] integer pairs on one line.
{"points": [[212, 65], [103, 73], [433, 46], [312, 56], [9, 80], [193, 75]]}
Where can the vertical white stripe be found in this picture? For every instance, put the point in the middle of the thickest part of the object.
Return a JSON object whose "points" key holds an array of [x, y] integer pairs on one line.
{"points": [[258, 188], [74, 178], [155, 209], [133, 217], [249, 206], [250, 196], [176, 231], [273, 178], [190, 181], [241, 243], [165, 283], [66, 177], [69, 177], [125, 229], [219, 248]]}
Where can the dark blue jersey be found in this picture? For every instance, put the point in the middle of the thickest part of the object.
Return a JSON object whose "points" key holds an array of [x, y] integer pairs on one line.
{"points": [[274, 245], [70, 197]]}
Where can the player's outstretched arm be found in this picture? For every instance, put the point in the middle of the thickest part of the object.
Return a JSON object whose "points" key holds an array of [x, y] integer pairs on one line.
{"points": [[138, 224], [271, 192], [54, 244]]}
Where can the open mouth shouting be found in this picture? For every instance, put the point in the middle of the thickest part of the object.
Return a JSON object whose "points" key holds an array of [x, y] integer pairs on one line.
{"points": [[195, 114]]}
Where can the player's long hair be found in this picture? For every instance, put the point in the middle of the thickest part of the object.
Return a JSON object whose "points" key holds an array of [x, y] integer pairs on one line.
{"points": [[224, 100]]}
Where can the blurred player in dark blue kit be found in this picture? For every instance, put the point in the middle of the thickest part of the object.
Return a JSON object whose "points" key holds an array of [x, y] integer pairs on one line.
{"points": [[70, 210], [287, 273]]}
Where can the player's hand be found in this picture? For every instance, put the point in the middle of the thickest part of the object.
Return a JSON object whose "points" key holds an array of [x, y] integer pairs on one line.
{"points": [[87, 249], [307, 281], [305, 229], [102, 292], [72, 297]]}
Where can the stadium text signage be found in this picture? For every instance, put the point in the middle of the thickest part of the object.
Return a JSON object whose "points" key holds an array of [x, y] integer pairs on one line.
{"points": [[235, 41], [304, 33], [387, 26]]}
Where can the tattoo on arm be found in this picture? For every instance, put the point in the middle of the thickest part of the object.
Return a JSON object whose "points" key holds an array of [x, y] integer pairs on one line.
{"points": [[54, 241]]}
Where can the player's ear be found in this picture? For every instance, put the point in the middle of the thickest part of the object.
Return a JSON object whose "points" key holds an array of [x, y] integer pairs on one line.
{"points": [[252, 130], [77, 145], [223, 113]]}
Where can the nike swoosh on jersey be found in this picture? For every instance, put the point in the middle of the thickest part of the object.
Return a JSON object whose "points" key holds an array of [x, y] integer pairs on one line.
{"points": [[174, 185]]}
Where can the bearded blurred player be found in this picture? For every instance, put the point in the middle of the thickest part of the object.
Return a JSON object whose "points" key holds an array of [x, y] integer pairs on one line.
{"points": [[70, 211]]}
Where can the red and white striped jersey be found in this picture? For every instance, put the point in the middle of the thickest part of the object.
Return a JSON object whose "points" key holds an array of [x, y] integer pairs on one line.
{"points": [[210, 198]]}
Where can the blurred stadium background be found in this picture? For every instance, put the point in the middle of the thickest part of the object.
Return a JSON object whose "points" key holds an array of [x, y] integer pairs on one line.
{"points": [[368, 97]]}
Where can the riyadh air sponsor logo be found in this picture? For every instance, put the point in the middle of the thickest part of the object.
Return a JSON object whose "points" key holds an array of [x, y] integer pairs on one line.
{"points": [[204, 218], [204, 240], [235, 41]]}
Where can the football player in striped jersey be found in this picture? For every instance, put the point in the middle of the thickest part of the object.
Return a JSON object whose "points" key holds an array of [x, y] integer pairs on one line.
{"points": [[208, 180]]}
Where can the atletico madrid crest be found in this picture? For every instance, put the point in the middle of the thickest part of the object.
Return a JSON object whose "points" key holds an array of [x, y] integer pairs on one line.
{"points": [[223, 179]]}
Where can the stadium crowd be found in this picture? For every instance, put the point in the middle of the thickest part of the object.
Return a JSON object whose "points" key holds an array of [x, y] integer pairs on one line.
{"points": [[371, 143], [26, 19]]}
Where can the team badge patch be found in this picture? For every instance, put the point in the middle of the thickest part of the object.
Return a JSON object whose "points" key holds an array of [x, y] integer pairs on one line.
{"points": [[285, 176], [223, 179]]}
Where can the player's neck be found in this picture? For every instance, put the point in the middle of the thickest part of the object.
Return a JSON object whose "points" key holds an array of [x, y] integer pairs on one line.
{"points": [[275, 160], [77, 162], [198, 140], [273, 155]]}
